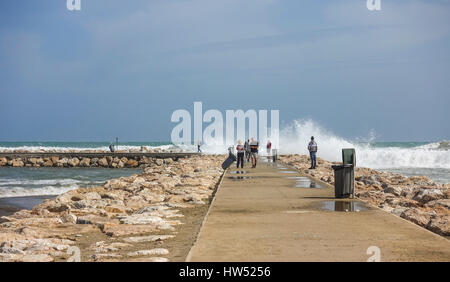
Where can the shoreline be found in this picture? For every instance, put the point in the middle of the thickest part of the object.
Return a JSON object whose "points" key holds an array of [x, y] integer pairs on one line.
{"points": [[10, 205]]}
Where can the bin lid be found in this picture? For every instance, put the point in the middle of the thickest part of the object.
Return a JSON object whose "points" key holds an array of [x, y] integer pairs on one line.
{"points": [[338, 167], [349, 156]]}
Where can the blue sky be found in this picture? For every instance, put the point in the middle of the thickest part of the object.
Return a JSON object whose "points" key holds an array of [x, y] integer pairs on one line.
{"points": [[120, 68]]}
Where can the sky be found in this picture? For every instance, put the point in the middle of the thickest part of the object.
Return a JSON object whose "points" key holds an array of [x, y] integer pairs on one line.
{"points": [[121, 68]]}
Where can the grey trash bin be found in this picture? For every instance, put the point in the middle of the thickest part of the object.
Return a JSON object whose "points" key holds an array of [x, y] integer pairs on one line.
{"points": [[344, 175], [343, 180]]}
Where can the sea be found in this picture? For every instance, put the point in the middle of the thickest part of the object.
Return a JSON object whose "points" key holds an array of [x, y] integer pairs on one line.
{"points": [[24, 181], [431, 159]]}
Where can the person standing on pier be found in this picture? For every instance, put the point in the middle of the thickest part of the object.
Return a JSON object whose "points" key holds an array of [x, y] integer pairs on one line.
{"points": [[312, 148], [240, 154], [254, 151], [269, 147], [247, 150]]}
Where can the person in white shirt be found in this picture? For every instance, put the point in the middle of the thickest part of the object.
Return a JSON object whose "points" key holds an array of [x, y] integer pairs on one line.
{"points": [[240, 149], [312, 148]]}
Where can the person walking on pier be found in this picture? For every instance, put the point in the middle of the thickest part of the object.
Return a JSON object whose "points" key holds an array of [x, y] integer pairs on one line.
{"points": [[240, 154], [247, 150], [269, 147], [312, 148], [254, 151]]}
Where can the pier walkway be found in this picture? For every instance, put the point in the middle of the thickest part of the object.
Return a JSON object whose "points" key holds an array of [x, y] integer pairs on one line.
{"points": [[266, 214]]}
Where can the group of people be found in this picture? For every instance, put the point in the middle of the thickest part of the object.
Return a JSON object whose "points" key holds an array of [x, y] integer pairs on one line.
{"points": [[250, 151]]}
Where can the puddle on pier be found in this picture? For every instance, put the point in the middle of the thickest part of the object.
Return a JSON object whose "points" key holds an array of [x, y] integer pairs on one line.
{"points": [[288, 171], [239, 177], [239, 172], [343, 206], [305, 182]]}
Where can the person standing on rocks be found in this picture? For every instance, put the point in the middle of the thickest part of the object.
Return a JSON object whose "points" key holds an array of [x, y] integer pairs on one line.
{"points": [[198, 147], [312, 148], [240, 154], [111, 147], [254, 151]]}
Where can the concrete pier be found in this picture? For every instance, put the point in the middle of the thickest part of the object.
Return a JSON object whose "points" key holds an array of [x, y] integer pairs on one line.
{"points": [[273, 213]]}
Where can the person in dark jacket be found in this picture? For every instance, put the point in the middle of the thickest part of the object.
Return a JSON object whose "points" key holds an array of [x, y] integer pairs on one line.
{"points": [[247, 150], [254, 145]]}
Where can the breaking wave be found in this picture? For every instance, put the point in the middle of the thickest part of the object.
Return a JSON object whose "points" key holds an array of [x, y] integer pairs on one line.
{"points": [[295, 136]]}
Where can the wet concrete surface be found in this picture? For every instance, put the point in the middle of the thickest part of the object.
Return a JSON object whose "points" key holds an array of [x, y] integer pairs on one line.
{"points": [[305, 182], [343, 206], [239, 177], [239, 172], [267, 219]]}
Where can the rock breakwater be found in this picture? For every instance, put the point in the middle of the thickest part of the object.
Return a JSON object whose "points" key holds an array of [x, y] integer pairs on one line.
{"points": [[111, 222], [81, 161]]}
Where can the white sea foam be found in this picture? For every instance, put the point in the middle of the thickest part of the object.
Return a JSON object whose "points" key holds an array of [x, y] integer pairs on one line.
{"points": [[53, 182], [294, 138], [44, 190]]}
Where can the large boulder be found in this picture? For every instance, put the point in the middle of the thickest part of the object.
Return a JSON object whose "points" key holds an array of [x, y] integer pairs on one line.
{"points": [[57, 207], [54, 159], [62, 162], [103, 162], [48, 163], [85, 162], [92, 196], [397, 191], [443, 203], [17, 163], [73, 162], [426, 195], [440, 225], [132, 163], [416, 216], [3, 161]]}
